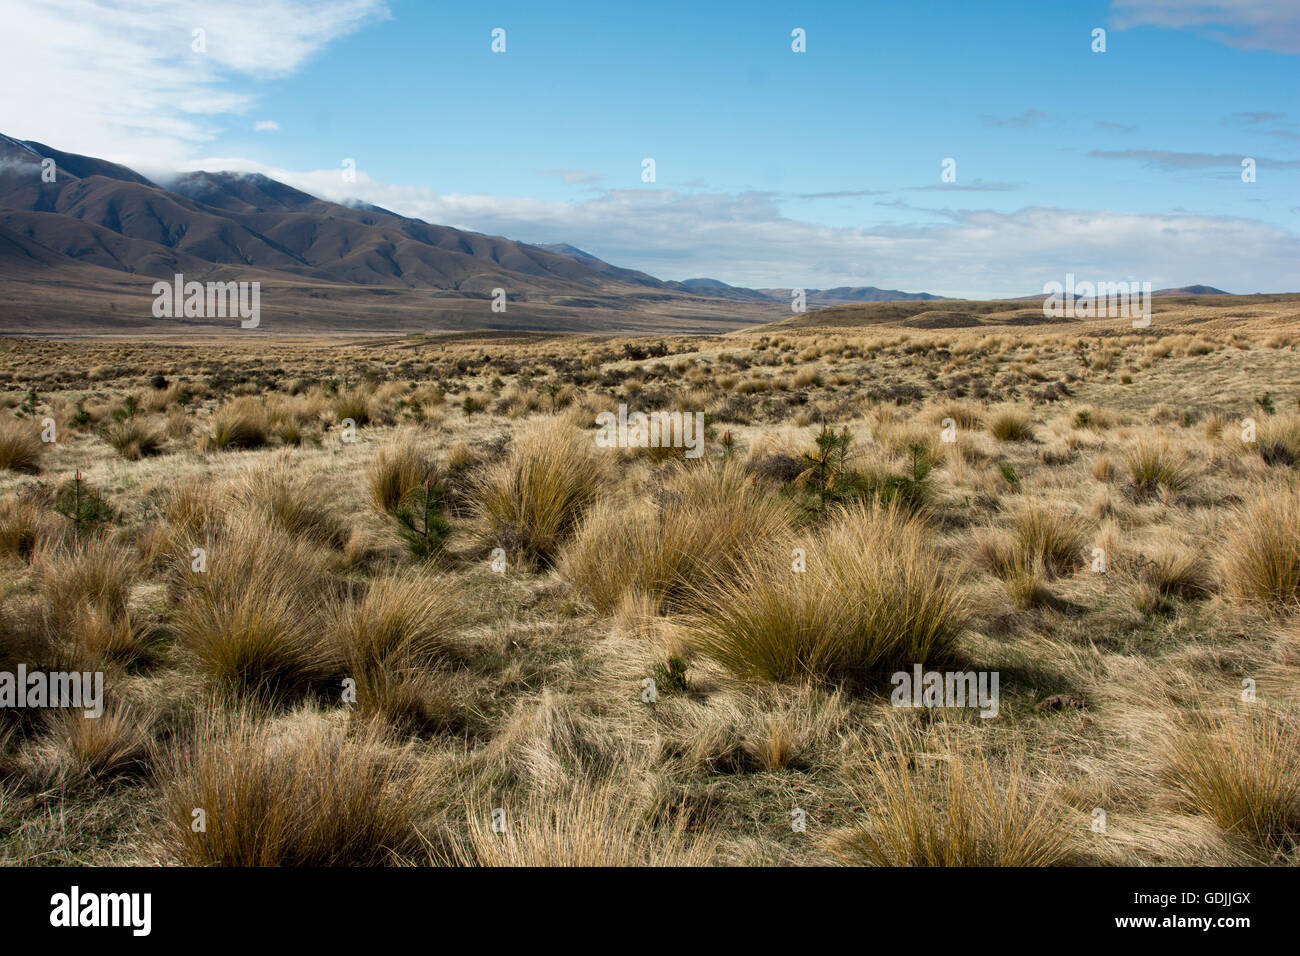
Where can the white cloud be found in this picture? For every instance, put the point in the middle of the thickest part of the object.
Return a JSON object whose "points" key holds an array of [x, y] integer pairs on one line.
{"points": [[265, 126], [572, 176], [744, 239], [121, 79], [1247, 24]]}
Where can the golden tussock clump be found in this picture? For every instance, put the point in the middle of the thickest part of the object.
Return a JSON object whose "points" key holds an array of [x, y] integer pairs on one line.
{"points": [[20, 446], [312, 793], [597, 823], [875, 592], [943, 805], [1260, 557], [695, 533], [531, 501], [251, 617], [1243, 770]]}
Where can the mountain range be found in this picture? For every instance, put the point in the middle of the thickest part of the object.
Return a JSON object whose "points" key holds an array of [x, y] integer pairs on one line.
{"points": [[82, 240]]}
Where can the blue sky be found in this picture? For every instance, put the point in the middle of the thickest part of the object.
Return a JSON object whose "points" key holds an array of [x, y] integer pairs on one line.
{"points": [[773, 168]]}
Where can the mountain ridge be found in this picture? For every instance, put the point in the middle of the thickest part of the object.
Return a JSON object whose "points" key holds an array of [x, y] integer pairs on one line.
{"points": [[101, 224]]}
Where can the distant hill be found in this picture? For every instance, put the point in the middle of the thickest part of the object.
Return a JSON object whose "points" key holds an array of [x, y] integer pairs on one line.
{"points": [[720, 289], [844, 295], [1191, 290], [1183, 290], [347, 265], [81, 253], [603, 267], [968, 313]]}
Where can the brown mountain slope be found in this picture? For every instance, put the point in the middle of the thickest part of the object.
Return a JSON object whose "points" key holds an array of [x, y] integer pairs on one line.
{"points": [[100, 226]]}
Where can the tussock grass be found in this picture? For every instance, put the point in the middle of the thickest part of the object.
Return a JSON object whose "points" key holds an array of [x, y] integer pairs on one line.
{"points": [[875, 592], [403, 617], [807, 378], [389, 638], [1278, 439], [1042, 543], [595, 824], [84, 589], [947, 805], [1175, 572], [251, 620], [706, 520], [115, 743], [1102, 468], [301, 792], [133, 439], [533, 703], [24, 526], [240, 423], [288, 499], [964, 416], [762, 729], [1052, 539], [410, 699], [192, 505], [1152, 464], [530, 502], [1027, 582], [398, 470], [356, 404], [1243, 770], [95, 633], [1011, 425], [20, 446], [1260, 556]]}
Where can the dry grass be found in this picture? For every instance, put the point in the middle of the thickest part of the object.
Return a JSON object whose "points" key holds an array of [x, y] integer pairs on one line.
{"points": [[1260, 557], [115, 743], [356, 404], [775, 623], [1153, 465], [1243, 770], [597, 824], [1011, 425], [242, 423], [533, 500], [301, 792], [84, 588], [279, 494], [251, 619], [20, 446], [1278, 439], [24, 526], [390, 637], [397, 472], [1050, 539], [133, 439], [403, 618], [95, 572], [329, 636], [697, 533], [942, 806]]}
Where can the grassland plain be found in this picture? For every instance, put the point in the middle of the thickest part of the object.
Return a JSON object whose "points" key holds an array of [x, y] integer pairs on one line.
{"points": [[385, 600]]}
